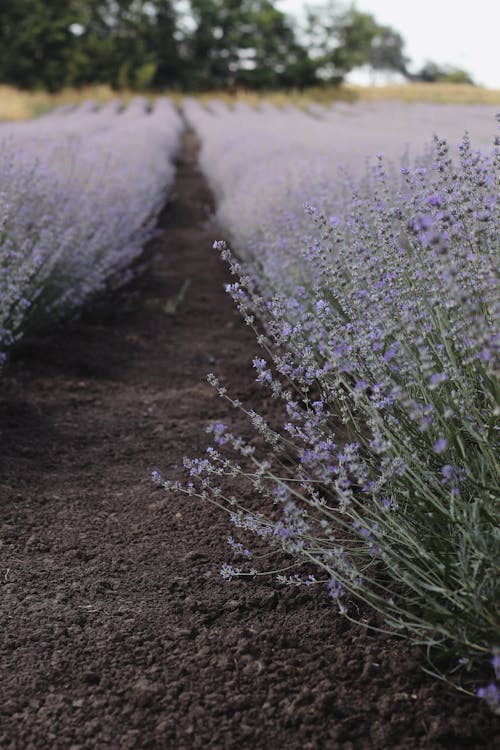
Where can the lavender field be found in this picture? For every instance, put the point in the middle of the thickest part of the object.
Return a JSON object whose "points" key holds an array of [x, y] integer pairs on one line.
{"points": [[264, 166], [363, 245]]}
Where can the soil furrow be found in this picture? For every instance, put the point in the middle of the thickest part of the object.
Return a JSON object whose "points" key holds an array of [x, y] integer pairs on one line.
{"points": [[117, 630]]}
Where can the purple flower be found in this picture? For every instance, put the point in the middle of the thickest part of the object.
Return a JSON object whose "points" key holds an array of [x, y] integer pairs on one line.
{"points": [[435, 200], [218, 430], [495, 662], [422, 222], [228, 571], [336, 589], [440, 445], [437, 378], [491, 695]]}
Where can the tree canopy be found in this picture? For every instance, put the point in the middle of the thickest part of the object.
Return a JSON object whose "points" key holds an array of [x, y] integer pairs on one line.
{"points": [[186, 44], [431, 72]]}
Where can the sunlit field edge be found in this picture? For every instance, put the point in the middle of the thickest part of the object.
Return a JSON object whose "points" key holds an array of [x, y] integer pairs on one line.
{"points": [[21, 105]]}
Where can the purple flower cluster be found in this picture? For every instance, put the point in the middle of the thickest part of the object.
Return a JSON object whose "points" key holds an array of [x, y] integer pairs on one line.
{"points": [[491, 692]]}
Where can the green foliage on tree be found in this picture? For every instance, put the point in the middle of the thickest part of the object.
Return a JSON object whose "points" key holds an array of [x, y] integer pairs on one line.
{"points": [[37, 47], [342, 40], [187, 44], [244, 42], [387, 51], [431, 72], [118, 43]]}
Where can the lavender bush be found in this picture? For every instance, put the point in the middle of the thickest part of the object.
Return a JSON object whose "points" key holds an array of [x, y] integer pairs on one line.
{"points": [[382, 343], [79, 194]]}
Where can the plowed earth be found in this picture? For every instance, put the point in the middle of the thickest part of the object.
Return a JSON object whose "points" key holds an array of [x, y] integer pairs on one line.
{"points": [[117, 630]]}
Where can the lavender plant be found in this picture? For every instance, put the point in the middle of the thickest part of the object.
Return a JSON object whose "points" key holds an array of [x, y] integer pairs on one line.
{"points": [[382, 343], [79, 194]]}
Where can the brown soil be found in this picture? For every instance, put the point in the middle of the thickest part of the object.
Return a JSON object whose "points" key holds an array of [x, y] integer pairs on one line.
{"points": [[117, 630]]}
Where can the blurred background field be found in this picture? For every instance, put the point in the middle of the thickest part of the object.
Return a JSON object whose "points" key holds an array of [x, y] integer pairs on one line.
{"points": [[16, 104], [443, 93]]}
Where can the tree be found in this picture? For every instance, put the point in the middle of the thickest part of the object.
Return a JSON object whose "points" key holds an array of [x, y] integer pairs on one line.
{"points": [[321, 37], [431, 72], [167, 41], [118, 43], [341, 40], [243, 42], [273, 56], [387, 51], [356, 33], [37, 46]]}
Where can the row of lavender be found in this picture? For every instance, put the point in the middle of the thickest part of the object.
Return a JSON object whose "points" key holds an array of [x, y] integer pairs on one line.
{"points": [[278, 159], [379, 302], [79, 194]]}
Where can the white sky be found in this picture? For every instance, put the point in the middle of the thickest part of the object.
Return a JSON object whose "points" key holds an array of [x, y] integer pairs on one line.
{"points": [[461, 33]]}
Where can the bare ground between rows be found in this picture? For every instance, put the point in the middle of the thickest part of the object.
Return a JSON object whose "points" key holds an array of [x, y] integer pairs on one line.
{"points": [[117, 630]]}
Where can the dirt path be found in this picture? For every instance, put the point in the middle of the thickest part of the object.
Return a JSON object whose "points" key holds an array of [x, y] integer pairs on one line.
{"points": [[117, 630]]}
